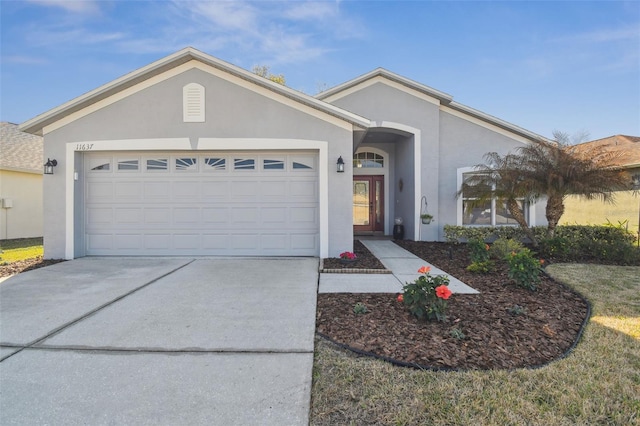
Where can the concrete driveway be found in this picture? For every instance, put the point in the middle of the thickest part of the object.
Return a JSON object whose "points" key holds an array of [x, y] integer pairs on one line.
{"points": [[159, 341]]}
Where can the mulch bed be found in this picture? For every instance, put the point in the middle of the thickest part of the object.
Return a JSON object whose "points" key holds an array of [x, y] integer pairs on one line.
{"points": [[26, 265], [495, 338], [365, 260]]}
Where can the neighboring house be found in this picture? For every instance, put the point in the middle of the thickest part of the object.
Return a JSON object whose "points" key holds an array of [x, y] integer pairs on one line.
{"points": [[20, 183], [625, 209], [191, 155]]}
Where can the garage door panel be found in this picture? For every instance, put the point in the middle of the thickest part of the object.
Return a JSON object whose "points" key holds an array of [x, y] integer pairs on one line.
{"points": [[189, 189], [216, 242], [215, 215], [215, 189], [157, 190], [128, 216], [304, 241], [186, 206], [99, 242], [187, 241], [157, 216], [274, 215], [157, 241], [274, 241], [242, 190], [127, 241], [99, 216], [99, 191], [188, 216], [128, 189]]}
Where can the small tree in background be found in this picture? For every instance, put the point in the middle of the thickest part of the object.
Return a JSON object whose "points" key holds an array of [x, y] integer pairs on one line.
{"points": [[263, 71]]}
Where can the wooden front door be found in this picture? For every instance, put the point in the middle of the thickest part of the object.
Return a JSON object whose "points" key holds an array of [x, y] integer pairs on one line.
{"points": [[368, 203]]}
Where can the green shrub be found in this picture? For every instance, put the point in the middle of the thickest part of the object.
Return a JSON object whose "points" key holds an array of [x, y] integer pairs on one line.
{"points": [[360, 308], [478, 251], [481, 267], [557, 248], [427, 296], [503, 247], [524, 269]]}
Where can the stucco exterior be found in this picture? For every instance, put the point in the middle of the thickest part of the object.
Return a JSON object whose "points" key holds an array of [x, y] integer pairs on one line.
{"points": [[425, 138], [24, 192], [20, 183]]}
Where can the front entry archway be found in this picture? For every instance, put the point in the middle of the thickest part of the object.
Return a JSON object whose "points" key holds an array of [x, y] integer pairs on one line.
{"points": [[368, 203]]}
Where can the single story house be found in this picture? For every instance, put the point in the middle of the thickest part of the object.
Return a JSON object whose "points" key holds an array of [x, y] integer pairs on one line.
{"points": [[625, 208], [191, 155], [20, 183]]}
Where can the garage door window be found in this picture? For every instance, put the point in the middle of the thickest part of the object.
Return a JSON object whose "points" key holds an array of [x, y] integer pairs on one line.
{"points": [[273, 164], [99, 164], [127, 165], [186, 164], [215, 163], [244, 164], [157, 164], [302, 163]]}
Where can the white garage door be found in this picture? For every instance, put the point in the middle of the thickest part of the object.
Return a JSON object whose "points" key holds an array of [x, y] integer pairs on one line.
{"points": [[209, 203]]}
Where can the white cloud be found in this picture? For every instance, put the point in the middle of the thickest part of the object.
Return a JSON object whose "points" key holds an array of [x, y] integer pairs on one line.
{"points": [[311, 11], [21, 59], [75, 6]]}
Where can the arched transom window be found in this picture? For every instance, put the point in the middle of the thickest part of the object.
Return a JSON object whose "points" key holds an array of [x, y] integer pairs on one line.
{"points": [[368, 160]]}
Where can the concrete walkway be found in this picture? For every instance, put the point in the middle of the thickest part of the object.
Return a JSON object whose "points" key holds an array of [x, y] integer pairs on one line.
{"points": [[403, 265], [159, 341]]}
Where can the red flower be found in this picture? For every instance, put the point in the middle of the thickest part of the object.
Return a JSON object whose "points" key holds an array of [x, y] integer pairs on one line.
{"points": [[424, 269], [486, 246], [400, 298], [443, 292], [542, 261]]}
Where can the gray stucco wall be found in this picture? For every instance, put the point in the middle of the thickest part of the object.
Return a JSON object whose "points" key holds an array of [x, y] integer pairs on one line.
{"points": [[464, 144], [231, 112], [447, 142], [382, 103]]}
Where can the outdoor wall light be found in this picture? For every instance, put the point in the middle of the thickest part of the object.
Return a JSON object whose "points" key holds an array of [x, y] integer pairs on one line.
{"points": [[340, 164], [49, 165]]}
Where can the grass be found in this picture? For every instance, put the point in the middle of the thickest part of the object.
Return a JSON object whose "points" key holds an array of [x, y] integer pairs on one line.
{"points": [[20, 249], [598, 383]]}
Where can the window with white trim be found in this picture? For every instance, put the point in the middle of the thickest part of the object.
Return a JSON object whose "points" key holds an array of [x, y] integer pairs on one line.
{"points": [[488, 213], [368, 160]]}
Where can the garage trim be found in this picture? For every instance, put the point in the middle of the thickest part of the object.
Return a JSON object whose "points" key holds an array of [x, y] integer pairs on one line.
{"points": [[202, 144]]}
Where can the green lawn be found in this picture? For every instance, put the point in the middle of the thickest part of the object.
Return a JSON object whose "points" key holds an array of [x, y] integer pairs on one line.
{"points": [[599, 383], [20, 249]]}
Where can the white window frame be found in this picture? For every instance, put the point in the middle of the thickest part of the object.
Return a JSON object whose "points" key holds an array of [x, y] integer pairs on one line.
{"points": [[529, 208]]}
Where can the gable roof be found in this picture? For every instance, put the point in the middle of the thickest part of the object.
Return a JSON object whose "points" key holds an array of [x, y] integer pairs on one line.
{"points": [[627, 146], [19, 151], [445, 99], [37, 124]]}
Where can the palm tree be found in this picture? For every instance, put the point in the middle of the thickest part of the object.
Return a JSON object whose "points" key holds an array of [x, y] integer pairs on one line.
{"points": [[548, 169], [557, 170], [500, 178]]}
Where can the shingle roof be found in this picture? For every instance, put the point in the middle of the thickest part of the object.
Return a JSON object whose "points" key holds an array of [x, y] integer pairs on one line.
{"points": [[628, 146], [19, 151]]}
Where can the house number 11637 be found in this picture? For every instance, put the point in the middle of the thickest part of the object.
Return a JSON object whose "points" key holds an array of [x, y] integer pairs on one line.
{"points": [[84, 146]]}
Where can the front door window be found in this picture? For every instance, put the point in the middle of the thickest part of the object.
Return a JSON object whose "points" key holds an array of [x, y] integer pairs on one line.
{"points": [[368, 203]]}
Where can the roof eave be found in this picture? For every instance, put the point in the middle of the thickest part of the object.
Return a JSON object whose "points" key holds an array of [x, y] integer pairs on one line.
{"points": [[38, 123], [498, 122], [443, 97]]}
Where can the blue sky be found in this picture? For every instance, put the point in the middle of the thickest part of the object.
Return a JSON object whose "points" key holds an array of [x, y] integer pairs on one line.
{"points": [[545, 66]]}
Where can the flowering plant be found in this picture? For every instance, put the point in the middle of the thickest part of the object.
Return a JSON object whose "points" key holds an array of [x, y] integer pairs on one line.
{"points": [[427, 296], [348, 255]]}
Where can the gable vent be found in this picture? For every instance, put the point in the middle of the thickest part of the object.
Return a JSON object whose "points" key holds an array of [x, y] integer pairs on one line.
{"points": [[193, 103]]}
